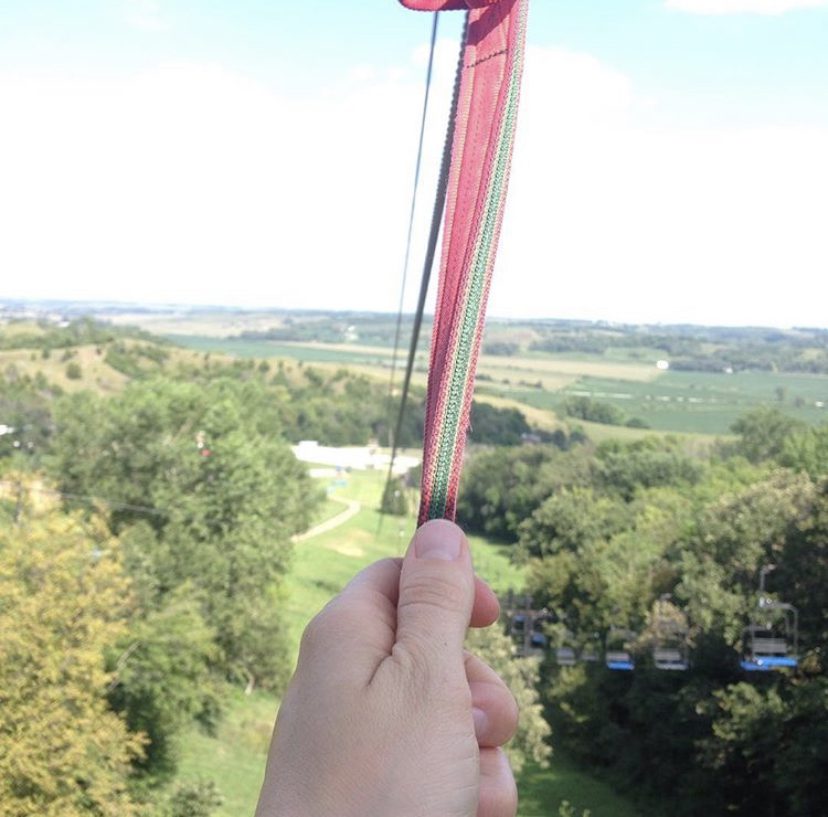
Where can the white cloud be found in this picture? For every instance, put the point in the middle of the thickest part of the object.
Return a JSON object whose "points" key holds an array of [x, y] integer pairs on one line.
{"points": [[145, 15], [191, 182], [194, 183], [766, 7], [615, 219]]}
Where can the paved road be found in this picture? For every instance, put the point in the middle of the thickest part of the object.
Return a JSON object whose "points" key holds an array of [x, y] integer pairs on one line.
{"points": [[352, 509]]}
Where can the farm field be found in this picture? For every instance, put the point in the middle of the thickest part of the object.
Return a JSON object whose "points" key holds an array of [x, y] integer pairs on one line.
{"points": [[235, 756], [667, 401]]}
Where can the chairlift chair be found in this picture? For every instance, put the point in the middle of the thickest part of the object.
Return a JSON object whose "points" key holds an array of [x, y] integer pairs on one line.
{"points": [[539, 640], [771, 640], [772, 643], [591, 651], [565, 657], [668, 658], [517, 625], [670, 651], [618, 656]]}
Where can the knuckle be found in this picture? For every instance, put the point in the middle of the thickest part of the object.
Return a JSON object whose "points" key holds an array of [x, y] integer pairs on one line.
{"points": [[436, 591], [316, 633]]}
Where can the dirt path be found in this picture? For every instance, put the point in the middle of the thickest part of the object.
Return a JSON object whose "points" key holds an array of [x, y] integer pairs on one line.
{"points": [[352, 509]]}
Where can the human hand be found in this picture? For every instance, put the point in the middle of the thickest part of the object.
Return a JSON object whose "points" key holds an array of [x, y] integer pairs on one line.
{"points": [[386, 714]]}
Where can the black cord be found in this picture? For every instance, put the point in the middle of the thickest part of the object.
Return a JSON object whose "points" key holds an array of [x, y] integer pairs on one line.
{"points": [[398, 330], [431, 251]]}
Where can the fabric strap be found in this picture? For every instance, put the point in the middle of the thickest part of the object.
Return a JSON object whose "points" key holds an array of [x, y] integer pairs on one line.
{"points": [[484, 134]]}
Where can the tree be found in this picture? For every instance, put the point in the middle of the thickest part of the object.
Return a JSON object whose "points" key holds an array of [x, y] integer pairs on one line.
{"points": [[199, 799], [221, 497], [63, 753], [502, 487], [807, 450], [161, 677], [647, 463], [521, 675], [594, 411], [497, 426], [74, 371], [763, 433]]}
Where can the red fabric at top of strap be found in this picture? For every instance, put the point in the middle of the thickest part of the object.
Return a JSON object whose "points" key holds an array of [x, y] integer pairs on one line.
{"points": [[446, 5]]}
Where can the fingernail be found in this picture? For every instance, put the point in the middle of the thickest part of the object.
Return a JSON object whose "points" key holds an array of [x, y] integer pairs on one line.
{"points": [[438, 540], [481, 722]]}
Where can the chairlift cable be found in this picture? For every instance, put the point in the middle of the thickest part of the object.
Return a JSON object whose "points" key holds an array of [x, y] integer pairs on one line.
{"points": [[88, 499], [418, 165]]}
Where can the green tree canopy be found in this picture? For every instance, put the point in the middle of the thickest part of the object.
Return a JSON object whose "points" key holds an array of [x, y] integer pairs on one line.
{"points": [[63, 597]]}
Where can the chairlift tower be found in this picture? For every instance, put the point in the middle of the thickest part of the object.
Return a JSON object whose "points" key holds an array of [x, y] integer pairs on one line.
{"points": [[526, 625]]}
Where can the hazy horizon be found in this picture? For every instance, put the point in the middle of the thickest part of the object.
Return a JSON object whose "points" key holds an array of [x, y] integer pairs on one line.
{"points": [[165, 307]]}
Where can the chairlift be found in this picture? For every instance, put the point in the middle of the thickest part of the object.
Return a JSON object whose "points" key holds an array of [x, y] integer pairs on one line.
{"points": [[771, 640], [565, 655], [670, 650], [670, 658], [526, 626], [539, 640], [591, 651], [618, 655], [517, 625], [571, 652]]}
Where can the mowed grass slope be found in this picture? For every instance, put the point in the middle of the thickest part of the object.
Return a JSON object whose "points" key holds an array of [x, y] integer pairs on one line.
{"points": [[235, 757]]}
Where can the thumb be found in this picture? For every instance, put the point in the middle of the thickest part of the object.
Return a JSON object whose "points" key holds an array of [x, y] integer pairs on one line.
{"points": [[436, 596]]}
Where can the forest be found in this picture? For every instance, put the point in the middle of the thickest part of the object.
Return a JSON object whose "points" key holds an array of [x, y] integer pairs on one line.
{"points": [[147, 524], [664, 547]]}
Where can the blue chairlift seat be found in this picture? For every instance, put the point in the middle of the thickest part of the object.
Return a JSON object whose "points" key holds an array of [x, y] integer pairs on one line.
{"points": [[769, 664], [619, 661], [767, 652]]}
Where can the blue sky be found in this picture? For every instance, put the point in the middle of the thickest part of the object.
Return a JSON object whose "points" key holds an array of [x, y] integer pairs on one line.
{"points": [[670, 161]]}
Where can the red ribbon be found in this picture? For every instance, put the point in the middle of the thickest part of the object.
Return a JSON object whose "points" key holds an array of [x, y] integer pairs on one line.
{"points": [[446, 5], [494, 38]]}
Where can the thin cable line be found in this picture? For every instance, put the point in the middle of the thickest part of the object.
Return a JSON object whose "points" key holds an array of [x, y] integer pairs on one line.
{"points": [[114, 505], [398, 331]]}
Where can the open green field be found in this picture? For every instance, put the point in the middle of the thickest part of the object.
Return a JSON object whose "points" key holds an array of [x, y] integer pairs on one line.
{"points": [[690, 402], [234, 758], [307, 352]]}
